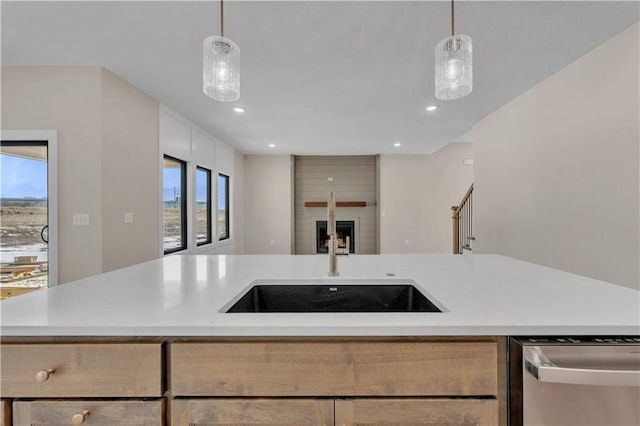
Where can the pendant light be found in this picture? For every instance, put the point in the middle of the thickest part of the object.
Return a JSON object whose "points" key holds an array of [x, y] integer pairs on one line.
{"points": [[454, 65], [221, 66]]}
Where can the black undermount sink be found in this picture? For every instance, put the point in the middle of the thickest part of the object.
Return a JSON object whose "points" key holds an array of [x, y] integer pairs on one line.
{"points": [[333, 298]]}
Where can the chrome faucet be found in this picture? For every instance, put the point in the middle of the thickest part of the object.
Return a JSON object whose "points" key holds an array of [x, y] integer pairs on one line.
{"points": [[331, 232]]}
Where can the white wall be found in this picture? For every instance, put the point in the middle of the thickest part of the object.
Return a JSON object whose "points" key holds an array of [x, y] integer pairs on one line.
{"points": [[225, 163], [237, 222], [130, 174], [96, 156], [557, 169], [267, 204], [181, 139], [66, 99], [416, 195]]}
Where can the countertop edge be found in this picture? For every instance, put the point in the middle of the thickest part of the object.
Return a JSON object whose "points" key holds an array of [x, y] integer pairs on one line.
{"points": [[302, 332]]}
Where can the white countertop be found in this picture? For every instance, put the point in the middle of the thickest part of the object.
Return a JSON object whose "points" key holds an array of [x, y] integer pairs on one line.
{"points": [[182, 296]]}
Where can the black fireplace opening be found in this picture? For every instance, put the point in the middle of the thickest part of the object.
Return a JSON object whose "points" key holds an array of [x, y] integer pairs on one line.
{"points": [[344, 229]]}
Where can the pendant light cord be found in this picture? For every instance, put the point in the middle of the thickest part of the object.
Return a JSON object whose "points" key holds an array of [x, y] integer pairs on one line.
{"points": [[452, 31], [222, 18]]}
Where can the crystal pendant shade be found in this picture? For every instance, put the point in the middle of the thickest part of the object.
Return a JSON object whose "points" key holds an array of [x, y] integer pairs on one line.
{"points": [[454, 67], [221, 69]]}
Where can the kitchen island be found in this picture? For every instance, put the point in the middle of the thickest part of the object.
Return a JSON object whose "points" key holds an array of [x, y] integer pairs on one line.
{"points": [[154, 339]]}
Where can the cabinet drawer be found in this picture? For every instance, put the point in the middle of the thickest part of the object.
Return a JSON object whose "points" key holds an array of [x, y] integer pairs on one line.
{"points": [[108, 413], [319, 368], [292, 411], [5, 413], [81, 370], [478, 412]]}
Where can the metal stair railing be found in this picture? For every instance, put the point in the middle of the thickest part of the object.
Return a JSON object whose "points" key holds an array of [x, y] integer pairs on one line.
{"points": [[463, 223]]}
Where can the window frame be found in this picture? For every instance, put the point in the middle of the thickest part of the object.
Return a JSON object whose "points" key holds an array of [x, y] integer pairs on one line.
{"points": [[209, 239], [50, 139], [227, 209], [183, 206]]}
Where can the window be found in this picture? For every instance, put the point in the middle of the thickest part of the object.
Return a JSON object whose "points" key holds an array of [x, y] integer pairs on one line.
{"points": [[174, 204], [223, 207], [203, 206]]}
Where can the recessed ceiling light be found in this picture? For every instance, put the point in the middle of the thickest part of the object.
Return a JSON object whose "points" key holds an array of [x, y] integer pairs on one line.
{"points": [[239, 109], [431, 108], [272, 145], [397, 144]]}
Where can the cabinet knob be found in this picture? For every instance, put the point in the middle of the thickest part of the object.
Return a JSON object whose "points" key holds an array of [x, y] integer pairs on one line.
{"points": [[80, 418], [43, 375]]}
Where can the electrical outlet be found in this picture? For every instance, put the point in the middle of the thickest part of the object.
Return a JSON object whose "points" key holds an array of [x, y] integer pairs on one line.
{"points": [[128, 217], [81, 219]]}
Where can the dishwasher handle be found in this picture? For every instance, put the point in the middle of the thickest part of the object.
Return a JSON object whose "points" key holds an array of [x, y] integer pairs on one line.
{"points": [[544, 370]]}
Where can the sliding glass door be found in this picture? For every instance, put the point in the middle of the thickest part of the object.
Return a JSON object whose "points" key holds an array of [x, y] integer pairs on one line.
{"points": [[24, 214]]}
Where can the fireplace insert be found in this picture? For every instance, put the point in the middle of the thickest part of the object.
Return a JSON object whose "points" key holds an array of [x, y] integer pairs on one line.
{"points": [[344, 229]]}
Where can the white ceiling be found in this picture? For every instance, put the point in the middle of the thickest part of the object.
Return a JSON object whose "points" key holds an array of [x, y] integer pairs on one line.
{"points": [[318, 77]]}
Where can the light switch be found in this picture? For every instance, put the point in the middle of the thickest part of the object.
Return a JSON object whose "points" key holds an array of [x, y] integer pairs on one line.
{"points": [[128, 217], [81, 219]]}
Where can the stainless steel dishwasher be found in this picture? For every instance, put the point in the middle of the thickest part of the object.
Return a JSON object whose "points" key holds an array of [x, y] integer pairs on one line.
{"points": [[566, 381]]}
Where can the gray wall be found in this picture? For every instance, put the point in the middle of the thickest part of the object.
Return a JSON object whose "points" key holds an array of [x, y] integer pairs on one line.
{"points": [[354, 179], [556, 173]]}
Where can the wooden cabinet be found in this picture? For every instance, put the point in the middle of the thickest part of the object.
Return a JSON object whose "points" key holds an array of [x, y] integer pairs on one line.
{"points": [[34, 373], [417, 412], [261, 411], [340, 412], [81, 370], [5, 412], [107, 413], [321, 368], [419, 382]]}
